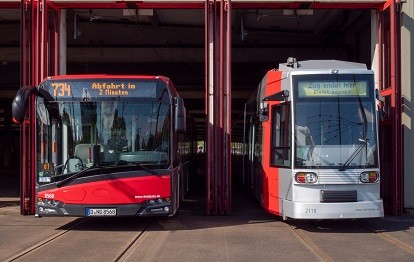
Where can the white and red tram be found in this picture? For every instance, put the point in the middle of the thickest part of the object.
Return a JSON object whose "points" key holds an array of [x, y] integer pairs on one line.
{"points": [[312, 150]]}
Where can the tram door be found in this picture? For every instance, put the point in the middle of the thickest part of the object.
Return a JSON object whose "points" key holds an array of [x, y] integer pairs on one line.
{"points": [[390, 126]]}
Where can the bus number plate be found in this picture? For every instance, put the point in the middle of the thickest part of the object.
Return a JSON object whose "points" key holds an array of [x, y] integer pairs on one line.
{"points": [[100, 212]]}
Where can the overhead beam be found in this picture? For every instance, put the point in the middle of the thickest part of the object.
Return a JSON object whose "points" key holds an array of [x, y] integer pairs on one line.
{"points": [[236, 3], [200, 94]]}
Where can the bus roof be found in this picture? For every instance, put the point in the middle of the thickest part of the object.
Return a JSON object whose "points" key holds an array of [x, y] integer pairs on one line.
{"points": [[107, 76]]}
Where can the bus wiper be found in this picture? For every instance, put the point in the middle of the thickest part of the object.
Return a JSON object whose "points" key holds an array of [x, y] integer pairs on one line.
{"points": [[78, 174], [363, 143], [149, 170]]}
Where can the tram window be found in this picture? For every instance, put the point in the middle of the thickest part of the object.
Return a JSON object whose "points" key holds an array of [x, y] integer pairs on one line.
{"points": [[281, 126]]}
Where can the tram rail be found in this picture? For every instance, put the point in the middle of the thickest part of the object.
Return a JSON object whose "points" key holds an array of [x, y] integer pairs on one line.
{"points": [[43, 244], [46, 241], [310, 245], [123, 256], [387, 237]]}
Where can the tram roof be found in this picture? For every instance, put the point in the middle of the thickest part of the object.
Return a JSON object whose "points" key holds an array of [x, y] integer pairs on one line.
{"points": [[321, 65]]}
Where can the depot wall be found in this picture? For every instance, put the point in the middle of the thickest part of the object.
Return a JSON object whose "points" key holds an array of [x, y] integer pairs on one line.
{"points": [[407, 81]]}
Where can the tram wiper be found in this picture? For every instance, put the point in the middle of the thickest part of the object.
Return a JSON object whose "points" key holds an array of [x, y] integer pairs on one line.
{"points": [[149, 170], [363, 143]]}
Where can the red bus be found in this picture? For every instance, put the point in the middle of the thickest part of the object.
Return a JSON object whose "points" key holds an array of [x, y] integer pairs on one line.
{"points": [[107, 145], [312, 150]]}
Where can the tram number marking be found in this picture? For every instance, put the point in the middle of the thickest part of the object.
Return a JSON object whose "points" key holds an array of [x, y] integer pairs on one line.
{"points": [[61, 89], [310, 211]]}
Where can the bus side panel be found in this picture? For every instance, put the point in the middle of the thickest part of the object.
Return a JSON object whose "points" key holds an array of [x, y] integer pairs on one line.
{"points": [[271, 201]]}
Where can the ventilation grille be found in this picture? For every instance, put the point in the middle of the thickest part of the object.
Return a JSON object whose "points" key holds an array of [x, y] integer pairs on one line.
{"points": [[330, 196]]}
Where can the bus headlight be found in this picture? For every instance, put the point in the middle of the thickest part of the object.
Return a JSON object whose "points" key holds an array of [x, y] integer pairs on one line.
{"points": [[158, 201], [47, 202], [306, 177], [369, 177]]}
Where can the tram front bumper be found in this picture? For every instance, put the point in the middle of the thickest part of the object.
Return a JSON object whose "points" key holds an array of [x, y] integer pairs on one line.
{"points": [[343, 210]]}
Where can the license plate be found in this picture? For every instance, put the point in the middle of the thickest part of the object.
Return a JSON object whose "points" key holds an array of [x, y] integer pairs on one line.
{"points": [[100, 212]]}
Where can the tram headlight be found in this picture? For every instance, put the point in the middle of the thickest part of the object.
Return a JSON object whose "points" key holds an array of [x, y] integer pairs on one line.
{"points": [[306, 177], [369, 177]]}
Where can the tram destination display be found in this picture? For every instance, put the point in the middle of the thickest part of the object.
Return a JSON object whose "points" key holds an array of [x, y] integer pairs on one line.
{"points": [[341, 88]]}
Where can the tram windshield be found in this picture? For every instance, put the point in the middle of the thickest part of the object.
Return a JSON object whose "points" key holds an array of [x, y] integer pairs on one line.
{"points": [[72, 136], [335, 123]]}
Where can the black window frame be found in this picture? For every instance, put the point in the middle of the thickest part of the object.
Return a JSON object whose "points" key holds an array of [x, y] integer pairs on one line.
{"points": [[285, 142]]}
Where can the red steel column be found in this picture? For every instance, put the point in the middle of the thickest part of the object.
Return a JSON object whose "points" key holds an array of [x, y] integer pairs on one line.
{"points": [[225, 96], [35, 61], [390, 83], [395, 32], [28, 29], [218, 106], [210, 86]]}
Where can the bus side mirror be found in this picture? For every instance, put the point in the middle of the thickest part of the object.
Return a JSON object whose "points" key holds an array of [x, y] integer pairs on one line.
{"points": [[20, 103], [180, 115]]}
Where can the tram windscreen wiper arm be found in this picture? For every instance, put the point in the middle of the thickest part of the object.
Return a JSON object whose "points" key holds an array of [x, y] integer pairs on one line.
{"points": [[149, 170], [362, 144], [363, 141]]}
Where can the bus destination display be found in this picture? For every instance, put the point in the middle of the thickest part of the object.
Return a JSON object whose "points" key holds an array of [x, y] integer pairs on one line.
{"points": [[332, 88], [95, 89]]}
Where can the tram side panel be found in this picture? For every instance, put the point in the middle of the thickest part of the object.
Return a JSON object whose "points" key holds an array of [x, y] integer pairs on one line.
{"points": [[265, 178]]}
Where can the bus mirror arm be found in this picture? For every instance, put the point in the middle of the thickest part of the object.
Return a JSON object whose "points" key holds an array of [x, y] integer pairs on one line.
{"points": [[22, 97], [20, 103]]}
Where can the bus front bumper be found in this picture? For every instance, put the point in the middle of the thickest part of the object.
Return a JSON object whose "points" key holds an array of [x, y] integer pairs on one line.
{"points": [[85, 210]]}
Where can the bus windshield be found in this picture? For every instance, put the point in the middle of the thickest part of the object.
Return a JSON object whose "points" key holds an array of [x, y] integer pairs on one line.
{"points": [[335, 124], [72, 136]]}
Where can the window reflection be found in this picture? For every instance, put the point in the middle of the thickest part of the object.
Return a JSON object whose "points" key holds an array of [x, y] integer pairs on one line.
{"points": [[102, 131]]}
